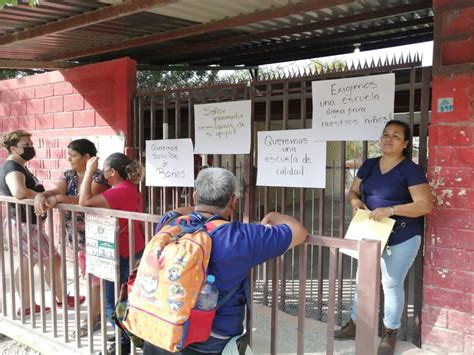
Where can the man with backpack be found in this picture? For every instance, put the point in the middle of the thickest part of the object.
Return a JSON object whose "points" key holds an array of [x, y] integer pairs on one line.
{"points": [[236, 248]]}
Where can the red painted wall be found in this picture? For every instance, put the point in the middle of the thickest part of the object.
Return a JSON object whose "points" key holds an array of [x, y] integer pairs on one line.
{"points": [[448, 311], [89, 100]]}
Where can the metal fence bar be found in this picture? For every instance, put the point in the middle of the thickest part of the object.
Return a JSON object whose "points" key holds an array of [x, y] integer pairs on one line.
{"points": [[62, 241], [11, 262], [3, 285], [53, 285], [368, 289], [31, 274]]}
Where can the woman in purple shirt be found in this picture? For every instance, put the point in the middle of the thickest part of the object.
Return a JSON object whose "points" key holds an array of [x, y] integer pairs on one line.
{"points": [[392, 186]]}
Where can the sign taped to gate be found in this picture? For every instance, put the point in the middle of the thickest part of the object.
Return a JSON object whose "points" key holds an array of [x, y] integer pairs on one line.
{"points": [[101, 249], [353, 108], [223, 128], [291, 158], [169, 162]]}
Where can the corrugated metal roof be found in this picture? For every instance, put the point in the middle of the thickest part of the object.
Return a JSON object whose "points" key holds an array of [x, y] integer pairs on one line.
{"points": [[205, 32]]}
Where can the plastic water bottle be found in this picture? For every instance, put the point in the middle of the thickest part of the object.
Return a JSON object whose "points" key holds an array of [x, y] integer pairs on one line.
{"points": [[207, 299]]}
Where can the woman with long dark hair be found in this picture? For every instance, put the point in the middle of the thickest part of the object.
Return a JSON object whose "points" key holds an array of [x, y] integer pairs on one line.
{"points": [[67, 191], [123, 174], [392, 186]]}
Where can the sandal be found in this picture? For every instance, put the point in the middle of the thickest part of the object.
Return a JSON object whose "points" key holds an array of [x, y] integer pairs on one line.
{"points": [[83, 329]]}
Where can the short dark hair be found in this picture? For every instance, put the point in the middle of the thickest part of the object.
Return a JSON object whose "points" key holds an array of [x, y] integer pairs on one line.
{"points": [[11, 139], [406, 133], [83, 146]]}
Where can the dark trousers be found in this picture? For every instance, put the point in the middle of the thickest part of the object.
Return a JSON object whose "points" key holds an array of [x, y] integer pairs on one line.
{"points": [[150, 349]]}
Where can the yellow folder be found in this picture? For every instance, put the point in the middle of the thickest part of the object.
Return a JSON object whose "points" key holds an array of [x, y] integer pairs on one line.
{"points": [[361, 227]]}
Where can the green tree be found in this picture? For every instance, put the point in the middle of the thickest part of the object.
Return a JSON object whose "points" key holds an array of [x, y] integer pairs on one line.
{"points": [[155, 80], [4, 3]]}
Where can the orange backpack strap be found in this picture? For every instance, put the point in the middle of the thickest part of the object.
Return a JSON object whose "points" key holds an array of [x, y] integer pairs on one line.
{"points": [[214, 225]]}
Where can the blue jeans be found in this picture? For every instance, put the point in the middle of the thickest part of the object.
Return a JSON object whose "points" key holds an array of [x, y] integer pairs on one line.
{"points": [[394, 269], [110, 289]]}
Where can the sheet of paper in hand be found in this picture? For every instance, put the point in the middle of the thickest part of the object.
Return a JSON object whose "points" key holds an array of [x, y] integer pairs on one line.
{"points": [[361, 227]]}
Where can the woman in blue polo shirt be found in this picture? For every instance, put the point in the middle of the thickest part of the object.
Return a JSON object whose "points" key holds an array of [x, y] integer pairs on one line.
{"points": [[392, 186]]}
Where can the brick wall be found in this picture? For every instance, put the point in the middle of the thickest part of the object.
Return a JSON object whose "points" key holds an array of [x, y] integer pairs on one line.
{"points": [[448, 310], [90, 100]]}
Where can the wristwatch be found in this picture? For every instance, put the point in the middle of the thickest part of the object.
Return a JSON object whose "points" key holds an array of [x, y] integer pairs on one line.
{"points": [[392, 211]]}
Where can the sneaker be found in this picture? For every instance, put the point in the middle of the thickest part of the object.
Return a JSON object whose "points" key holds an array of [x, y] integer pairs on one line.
{"points": [[348, 331], [70, 301], [111, 338], [387, 344], [126, 348], [37, 310]]}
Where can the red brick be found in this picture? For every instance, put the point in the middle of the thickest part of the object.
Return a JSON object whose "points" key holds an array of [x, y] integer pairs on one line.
{"points": [[95, 100], [454, 86], [460, 322], [4, 109], [443, 156], [42, 153], [463, 198], [105, 117], [464, 239], [63, 120], [84, 118], [73, 102], [34, 107], [451, 218], [26, 93], [27, 122], [9, 95], [439, 297], [450, 135], [435, 316], [89, 85], [42, 173], [57, 153], [63, 88], [468, 344], [34, 164], [53, 104], [463, 281], [449, 177], [465, 156], [18, 108], [448, 258], [458, 21], [44, 91], [45, 121], [10, 124], [50, 164], [49, 142], [449, 238], [441, 277], [64, 164], [442, 338], [63, 142]]}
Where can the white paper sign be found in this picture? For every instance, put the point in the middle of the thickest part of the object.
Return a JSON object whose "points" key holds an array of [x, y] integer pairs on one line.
{"points": [[100, 246], [223, 128], [354, 108], [291, 158], [169, 162]]}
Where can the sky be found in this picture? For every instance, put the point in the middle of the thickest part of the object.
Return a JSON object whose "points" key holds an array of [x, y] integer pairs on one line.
{"points": [[425, 49]]}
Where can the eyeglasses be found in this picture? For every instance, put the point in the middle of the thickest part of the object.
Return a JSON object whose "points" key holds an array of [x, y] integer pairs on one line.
{"points": [[105, 170]]}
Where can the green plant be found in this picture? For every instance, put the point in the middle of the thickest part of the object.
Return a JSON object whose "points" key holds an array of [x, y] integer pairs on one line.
{"points": [[4, 3]]}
